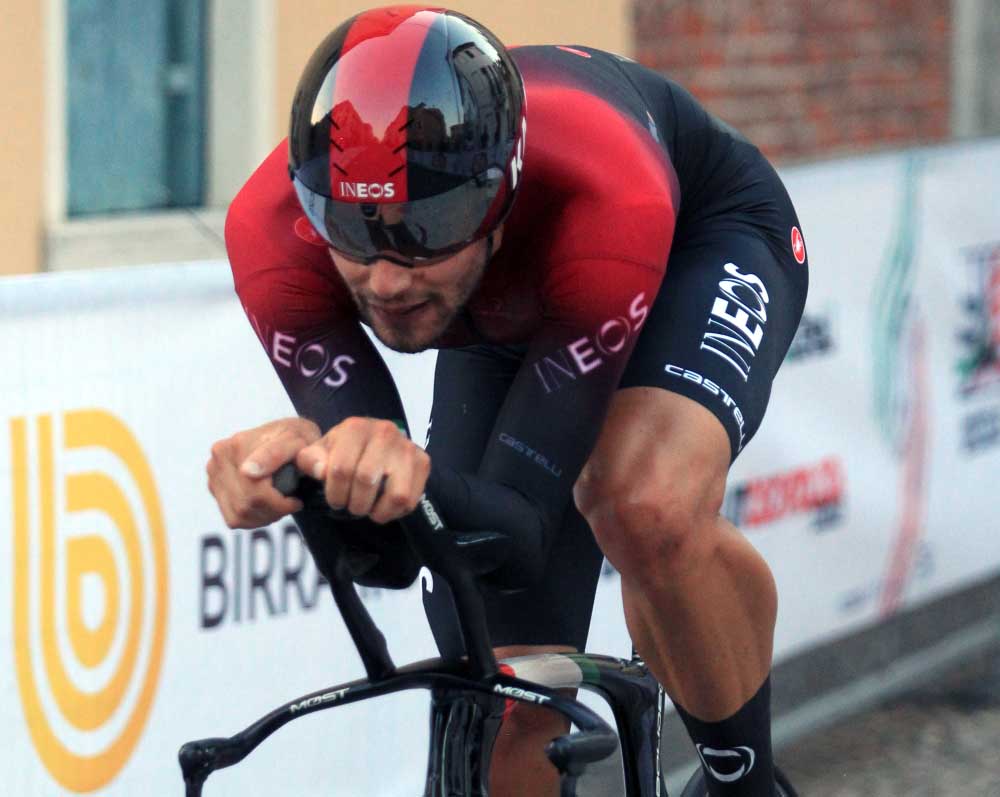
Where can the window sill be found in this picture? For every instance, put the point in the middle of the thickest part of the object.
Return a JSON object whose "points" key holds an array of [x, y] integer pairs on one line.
{"points": [[134, 239]]}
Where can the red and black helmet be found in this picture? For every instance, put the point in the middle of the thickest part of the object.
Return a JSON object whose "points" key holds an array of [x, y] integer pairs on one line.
{"points": [[407, 134]]}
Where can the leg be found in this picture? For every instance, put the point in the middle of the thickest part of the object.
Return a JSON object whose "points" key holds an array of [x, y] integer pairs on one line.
{"points": [[553, 616], [520, 767], [700, 602]]}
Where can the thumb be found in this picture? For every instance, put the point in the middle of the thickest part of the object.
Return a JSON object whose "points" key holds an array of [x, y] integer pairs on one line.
{"points": [[264, 460]]}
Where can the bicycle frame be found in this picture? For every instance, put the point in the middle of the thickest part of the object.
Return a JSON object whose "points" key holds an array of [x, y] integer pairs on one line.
{"points": [[636, 700], [569, 753], [448, 555]]}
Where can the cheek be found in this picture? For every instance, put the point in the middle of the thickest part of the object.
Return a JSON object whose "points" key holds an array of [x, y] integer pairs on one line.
{"points": [[434, 284], [349, 272], [356, 278], [457, 290]]}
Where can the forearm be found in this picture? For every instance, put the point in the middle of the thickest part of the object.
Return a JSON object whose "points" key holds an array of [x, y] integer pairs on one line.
{"points": [[471, 503]]}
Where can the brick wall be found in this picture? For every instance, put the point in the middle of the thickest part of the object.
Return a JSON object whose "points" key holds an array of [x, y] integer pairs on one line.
{"points": [[804, 78]]}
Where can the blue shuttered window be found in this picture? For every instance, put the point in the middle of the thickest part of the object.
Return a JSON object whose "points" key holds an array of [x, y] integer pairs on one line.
{"points": [[136, 104]]}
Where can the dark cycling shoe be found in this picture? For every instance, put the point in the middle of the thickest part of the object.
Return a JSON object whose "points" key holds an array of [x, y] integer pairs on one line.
{"points": [[696, 785]]}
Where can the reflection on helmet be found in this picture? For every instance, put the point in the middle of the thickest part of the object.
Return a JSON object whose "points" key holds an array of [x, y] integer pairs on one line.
{"points": [[405, 128]]}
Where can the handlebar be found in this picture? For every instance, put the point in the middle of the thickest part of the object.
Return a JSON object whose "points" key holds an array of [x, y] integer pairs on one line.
{"points": [[454, 555], [569, 754], [481, 551], [459, 558], [572, 753]]}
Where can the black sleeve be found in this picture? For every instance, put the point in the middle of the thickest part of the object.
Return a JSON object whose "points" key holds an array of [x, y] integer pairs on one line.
{"points": [[551, 415], [304, 317], [543, 434], [358, 385]]}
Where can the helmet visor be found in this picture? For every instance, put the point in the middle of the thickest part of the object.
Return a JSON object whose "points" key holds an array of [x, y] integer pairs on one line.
{"points": [[424, 229]]}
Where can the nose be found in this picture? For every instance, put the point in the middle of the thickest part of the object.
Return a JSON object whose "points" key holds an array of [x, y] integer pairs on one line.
{"points": [[387, 280]]}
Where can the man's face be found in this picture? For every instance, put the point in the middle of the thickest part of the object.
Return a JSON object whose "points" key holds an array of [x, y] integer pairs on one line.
{"points": [[408, 309]]}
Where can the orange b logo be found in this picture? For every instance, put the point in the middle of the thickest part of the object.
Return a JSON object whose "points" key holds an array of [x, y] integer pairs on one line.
{"points": [[90, 606]]}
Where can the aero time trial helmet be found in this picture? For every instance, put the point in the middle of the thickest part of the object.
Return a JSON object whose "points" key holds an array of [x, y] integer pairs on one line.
{"points": [[407, 135]]}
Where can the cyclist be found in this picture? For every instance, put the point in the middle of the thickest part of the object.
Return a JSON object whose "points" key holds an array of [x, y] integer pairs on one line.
{"points": [[611, 277]]}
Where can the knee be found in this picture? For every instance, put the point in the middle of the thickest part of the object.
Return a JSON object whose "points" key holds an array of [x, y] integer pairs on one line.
{"points": [[654, 521], [525, 721], [518, 764]]}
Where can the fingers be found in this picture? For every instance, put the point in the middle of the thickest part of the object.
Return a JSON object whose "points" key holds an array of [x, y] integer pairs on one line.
{"points": [[370, 471], [240, 467], [336, 464], [368, 467], [254, 509], [404, 485], [245, 503], [276, 446], [400, 495]]}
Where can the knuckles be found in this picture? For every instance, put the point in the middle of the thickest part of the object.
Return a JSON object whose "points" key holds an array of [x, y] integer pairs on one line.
{"points": [[221, 449], [399, 501], [337, 468], [243, 507], [367, 476], [394, 504], [239, 504], [397, 454], [248, 511], [353, 425], [385, 430], [304, 429]]}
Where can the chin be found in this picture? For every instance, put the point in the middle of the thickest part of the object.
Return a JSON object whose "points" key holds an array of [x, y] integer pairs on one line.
{"points": [[406, 343], [404, 346], [408, 339]]}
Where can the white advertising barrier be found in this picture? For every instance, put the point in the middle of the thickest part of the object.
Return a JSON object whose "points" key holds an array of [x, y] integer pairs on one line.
{"points": [[132, 620], [871, 485]]}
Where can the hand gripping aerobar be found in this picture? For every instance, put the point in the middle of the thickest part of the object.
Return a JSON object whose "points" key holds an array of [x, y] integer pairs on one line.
{"points": [[460, 559]]}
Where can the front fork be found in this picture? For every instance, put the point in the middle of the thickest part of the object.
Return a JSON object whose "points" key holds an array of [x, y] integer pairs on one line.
{"points": [[464, 728]]}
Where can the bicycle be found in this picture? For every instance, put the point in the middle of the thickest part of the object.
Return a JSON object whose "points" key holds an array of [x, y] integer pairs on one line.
{"points": [[469, 694]]}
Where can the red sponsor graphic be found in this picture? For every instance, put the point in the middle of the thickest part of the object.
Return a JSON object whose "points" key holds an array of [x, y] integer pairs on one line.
{"points": [[979, 366], [509, 703], [993, 301], [572, 50], [913, 487], [798, 246], [305, 231], [369, 129], [805, 489]]}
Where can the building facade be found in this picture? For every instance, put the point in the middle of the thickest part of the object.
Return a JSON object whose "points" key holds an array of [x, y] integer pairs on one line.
{"points": [[129, 127]]}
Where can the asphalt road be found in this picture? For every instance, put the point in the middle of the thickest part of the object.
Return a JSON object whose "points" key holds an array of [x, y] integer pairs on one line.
{"points": [[940, 740]]}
